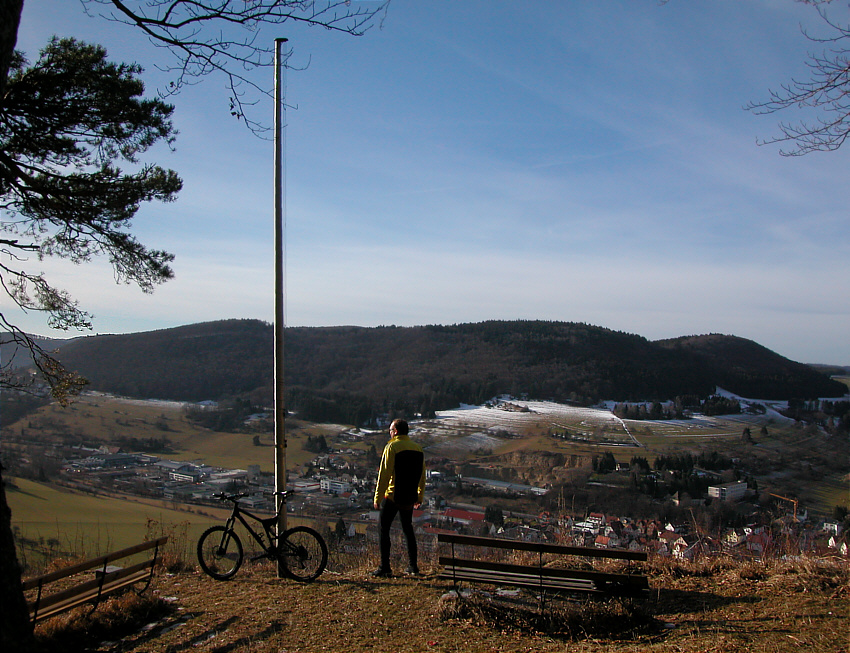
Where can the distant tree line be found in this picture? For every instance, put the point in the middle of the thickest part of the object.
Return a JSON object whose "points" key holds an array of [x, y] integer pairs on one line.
{"points": [[316, 444], [717, 405], [833, 416], [357, 375], [656, 411], [686, 462], [144, 445], [227, 416]]}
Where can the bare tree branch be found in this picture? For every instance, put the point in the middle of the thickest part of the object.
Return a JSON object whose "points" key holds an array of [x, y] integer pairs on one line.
{"points": [[826, 91], [200, 36], [62, 384]]}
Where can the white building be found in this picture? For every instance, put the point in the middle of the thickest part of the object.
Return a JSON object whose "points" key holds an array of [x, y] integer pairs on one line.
{"points": [[728, 491], [335, 486]]}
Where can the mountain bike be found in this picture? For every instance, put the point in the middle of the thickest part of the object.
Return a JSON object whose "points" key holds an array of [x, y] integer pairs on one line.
{"points": [[300, 551]]}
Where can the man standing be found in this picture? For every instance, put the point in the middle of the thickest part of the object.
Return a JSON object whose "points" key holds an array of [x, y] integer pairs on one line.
{"points": [[400, 489]]}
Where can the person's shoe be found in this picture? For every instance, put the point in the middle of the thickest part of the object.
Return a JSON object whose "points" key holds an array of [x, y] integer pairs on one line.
{"points": [[412, 570], [380, 572]]}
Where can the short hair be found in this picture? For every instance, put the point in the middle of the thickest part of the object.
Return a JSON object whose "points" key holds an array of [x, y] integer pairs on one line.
{"points": [[400, 426]]}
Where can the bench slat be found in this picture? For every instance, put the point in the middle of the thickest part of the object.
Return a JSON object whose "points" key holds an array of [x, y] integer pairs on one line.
{"points": [[88, 596], [108, 580], [547, 573], [92, 585], [541, 547], [530, 581], [538, 576], [101, 561]]}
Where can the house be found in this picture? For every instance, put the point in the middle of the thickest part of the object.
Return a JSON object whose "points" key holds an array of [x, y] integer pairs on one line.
{"points": [[596, 518], [836, 544], [832, 527], [464, 517], [689, 549], [733, 537], [586, 527], [523, 533], [673, 540]]}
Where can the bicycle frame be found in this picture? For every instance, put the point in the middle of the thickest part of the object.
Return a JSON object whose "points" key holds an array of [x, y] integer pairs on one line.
{"points": [[300, 552], [239, 514], [268, 523]]}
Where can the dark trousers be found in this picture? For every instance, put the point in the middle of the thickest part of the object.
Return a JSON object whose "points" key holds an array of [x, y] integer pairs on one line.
{"points": [[389, 509]]}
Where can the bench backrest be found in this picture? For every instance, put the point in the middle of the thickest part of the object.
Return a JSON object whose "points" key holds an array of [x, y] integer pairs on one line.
{"points": [[540, 547], [102, 561]]}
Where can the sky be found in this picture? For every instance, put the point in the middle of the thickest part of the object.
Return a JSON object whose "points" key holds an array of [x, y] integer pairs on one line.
{"points": [[490, 160]]}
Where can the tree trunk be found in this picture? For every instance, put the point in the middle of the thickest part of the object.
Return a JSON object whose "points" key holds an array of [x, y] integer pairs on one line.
{"points": [[10, 18], [16, 633], [15, 626]]}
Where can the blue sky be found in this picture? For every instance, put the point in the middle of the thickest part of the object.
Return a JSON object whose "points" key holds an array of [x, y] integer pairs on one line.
{"points": [[476, 160]]}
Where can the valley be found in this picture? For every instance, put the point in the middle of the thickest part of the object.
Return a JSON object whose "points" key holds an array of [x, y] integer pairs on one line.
{"points": [[517, 457]]}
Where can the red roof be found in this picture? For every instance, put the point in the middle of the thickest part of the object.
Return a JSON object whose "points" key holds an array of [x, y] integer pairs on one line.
{"points": [[455, 513]]}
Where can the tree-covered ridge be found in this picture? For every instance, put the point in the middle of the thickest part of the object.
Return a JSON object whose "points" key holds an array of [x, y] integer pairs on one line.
{"points": [[751, 369], [350, 374], [211, 360]]}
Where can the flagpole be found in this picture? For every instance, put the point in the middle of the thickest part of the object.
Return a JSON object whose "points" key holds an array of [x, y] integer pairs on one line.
{"points": [[279, 289]]}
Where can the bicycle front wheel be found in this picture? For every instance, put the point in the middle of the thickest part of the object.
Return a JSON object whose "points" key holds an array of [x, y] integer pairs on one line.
{"points": [[303, 553], [220, 552]]}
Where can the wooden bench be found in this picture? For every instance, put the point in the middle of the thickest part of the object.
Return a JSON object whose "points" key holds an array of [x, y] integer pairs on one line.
{"points": [[539, 576], [107, 580]]}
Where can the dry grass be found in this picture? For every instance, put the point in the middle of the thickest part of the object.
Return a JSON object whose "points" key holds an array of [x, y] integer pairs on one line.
{"points": [[614, 619], [79, 629], [712, 605]]}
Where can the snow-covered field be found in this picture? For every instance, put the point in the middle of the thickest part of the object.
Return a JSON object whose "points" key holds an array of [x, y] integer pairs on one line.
{"points": [[161, 403], [486, 427], [538, 412], [483, 428]]}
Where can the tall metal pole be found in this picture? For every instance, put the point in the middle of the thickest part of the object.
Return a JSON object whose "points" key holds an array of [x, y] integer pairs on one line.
{"points": [[279, 288]]}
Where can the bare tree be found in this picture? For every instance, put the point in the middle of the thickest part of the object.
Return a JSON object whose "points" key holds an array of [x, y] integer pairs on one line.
{"points": [[826, 91], [221, 36]]}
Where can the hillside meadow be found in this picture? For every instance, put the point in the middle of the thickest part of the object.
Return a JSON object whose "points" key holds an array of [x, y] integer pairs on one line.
{"points": [[95, 419], [55, 522]]}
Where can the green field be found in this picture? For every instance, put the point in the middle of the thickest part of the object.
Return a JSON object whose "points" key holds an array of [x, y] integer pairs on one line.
{"points": [[54, 522]]}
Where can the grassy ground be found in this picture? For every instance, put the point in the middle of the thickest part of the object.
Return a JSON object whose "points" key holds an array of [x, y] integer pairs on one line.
{"points": [[55, 522], [721, 606]]}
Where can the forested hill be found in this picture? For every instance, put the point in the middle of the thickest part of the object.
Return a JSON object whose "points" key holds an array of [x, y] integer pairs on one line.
{"points": [[357, 369]]}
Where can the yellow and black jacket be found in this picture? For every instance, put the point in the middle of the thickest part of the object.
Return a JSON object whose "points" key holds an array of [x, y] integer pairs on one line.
{"points": [[401, 476]]}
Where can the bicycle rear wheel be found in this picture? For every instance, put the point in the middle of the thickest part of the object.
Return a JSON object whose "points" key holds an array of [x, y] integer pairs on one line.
{"points": [[220, 552], [303, 553]]}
